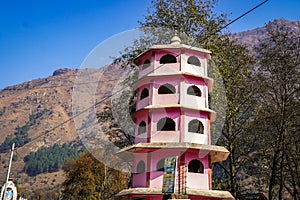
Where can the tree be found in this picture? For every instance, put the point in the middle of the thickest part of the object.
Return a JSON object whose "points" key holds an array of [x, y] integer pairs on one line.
{"points": [[110, 126], [50, 159], [278, 114], [192, 20], [236, 67], [87, 178]]}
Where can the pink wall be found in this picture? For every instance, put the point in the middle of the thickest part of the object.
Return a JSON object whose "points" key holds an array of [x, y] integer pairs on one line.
{"points": [[196, 114], [140, 89], [161, 53], [139, 180], [181, 83], [194, 80], [165, 136], [142, 115], [201, 116], [171, 136], [144, 57], [196, 180], [198, 54], [194, 154], [142, 103], [165, 99], [157, 114], [175, 81]]}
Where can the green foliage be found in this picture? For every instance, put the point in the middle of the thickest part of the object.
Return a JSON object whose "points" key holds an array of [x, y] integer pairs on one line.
{"points": [[21, 133], [33, 117], [192, 20], [277, 122], [20, 139], [50, 159], [87, 179]]}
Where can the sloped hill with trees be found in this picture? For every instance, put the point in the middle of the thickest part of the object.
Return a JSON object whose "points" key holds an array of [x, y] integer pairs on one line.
{"points": [[35, 115]]}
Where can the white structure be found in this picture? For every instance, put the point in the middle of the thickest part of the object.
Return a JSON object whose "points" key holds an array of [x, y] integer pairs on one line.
{"points": [[11, 191]]}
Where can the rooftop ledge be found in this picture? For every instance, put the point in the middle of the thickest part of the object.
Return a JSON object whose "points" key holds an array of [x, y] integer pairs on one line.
{"points": [[212, 113], [180, 46], [147, 78], [191, 192], [217, 153]]}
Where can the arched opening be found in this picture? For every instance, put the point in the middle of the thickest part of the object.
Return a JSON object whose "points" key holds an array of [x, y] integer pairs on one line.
{"points": [[166, 89], [9, 194], [160, 165], [195, 166], [193, 60], [195, 126], [141, 167], [168, 58], [142, 128], [144, 94], [166, 124], [146, 64], [194, 90]]}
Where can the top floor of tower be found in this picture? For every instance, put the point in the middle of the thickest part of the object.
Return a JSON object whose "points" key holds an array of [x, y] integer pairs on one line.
{"points": [[173, 58]]}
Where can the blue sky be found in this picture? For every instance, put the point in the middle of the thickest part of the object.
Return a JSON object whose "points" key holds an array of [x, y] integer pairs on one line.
{"points": [[40, 36]]}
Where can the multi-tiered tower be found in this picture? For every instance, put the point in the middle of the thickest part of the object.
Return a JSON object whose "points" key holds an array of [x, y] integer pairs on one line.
{"points": [[173, 121]]}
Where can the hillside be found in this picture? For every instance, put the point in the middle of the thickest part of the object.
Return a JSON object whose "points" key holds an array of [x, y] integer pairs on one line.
{"points": [[35, 112], [38, 113], [251, 37]]}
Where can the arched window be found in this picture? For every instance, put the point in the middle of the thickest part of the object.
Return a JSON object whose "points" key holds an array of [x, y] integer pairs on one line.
{"points": [[141, 167], [146, 64], [166, 124], [194, 90], [144, 94], [193, 60], [166, 89], [160, 165], [195, 126], [195, 166], [142, 127], [168, 58]]}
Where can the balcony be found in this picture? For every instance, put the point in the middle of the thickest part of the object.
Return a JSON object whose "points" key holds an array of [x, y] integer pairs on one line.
{"points": [[139, 180], [195, 138], [168, 68], [142, 103], [165, 136], [156, 179], [193, 69], [142, 138], [164, 99], [195, 102], [146, 71], [197, 181]]}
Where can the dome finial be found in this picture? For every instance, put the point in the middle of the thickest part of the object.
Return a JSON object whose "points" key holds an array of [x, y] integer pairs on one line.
{"points": [[175, 40]]}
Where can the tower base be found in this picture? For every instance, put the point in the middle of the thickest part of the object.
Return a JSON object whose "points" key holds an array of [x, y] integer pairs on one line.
{"points": [[191, 194]]}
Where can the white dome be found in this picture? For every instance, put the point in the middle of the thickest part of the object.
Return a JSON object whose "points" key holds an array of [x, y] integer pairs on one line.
{"points": [[175, 40]]}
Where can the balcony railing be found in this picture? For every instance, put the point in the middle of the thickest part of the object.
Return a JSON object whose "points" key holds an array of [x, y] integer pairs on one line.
{"points": [[165, 136], [197, 181]]}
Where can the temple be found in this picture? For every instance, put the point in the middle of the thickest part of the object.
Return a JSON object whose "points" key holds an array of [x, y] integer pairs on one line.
{"points": [[173, 154]]}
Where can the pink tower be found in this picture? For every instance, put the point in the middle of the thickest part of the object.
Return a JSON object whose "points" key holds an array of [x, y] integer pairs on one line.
{"points": [[172, 150]]}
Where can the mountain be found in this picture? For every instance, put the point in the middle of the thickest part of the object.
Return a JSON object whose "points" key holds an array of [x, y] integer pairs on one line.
{"points": [[251, 37], [38, 114]]}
